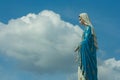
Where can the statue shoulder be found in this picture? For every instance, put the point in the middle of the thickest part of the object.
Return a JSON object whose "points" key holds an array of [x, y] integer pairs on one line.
{"points": [[88, 28]]}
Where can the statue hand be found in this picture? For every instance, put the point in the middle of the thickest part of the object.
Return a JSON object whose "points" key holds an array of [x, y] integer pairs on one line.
{"points": [[76, 49]]}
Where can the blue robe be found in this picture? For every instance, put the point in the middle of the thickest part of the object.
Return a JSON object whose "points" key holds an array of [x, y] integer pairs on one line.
{"points": [[87, 55]]}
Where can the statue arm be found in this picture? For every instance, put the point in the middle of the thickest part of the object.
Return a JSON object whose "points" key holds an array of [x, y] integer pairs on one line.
{"points": [[85, 39]]}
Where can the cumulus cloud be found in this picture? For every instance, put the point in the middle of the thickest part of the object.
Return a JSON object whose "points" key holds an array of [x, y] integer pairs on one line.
{"points": [[45, 43], [41, 42], [109, 70]]}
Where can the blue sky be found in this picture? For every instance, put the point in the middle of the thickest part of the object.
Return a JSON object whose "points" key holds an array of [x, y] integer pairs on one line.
{"points": [[104, 16]]}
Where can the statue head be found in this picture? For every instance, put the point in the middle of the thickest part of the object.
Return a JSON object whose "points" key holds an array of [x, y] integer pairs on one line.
{"points": [[84, 19]]}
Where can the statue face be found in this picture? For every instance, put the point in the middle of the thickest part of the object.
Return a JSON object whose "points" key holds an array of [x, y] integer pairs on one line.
{"points": [[81, 20]]}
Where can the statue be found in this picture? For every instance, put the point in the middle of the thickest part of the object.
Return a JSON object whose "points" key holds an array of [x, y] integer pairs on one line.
{"points": [[87, 62]]}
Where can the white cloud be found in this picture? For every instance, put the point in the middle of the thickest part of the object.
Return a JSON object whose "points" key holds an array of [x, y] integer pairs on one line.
{"points": [[109, 70], [42, 42]]}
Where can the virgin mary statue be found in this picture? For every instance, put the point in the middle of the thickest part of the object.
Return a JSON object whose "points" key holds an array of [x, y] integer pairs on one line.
{"points": [[87, 63]]}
